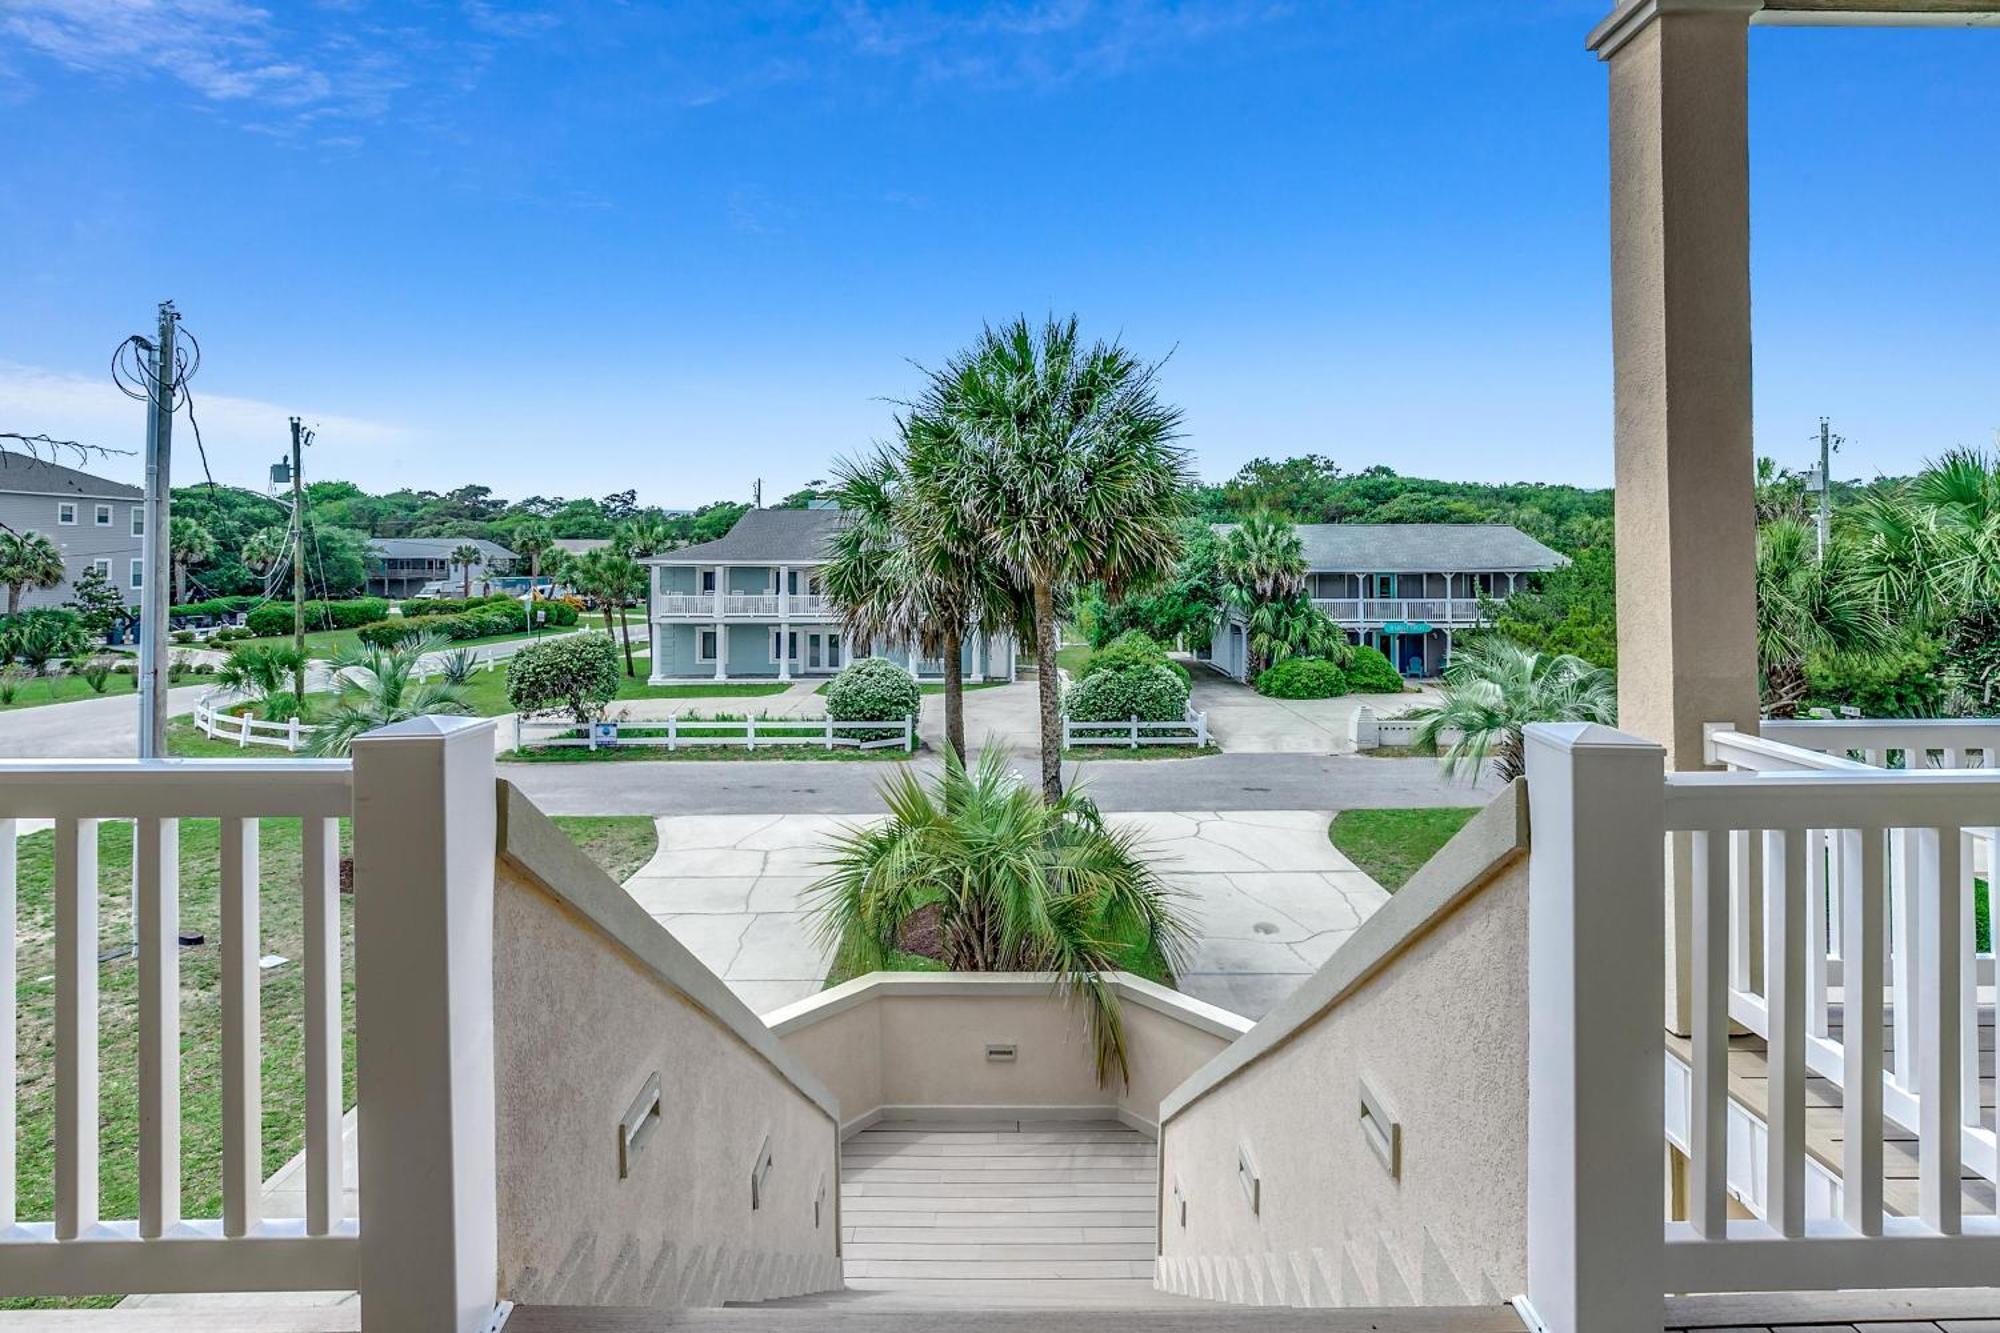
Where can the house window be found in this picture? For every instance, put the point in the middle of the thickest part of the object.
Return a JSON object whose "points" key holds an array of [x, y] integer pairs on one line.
{"points": [[780, 641], [138, 521], [1385, 585], [66, 513], [104, 516], [708, 580], [138, 573], [704, 646], [102, 565]]}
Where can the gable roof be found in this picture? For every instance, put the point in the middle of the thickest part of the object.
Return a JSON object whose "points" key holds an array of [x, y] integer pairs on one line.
{"points": [[23, 473], [435, 548], [1446, 548], [763, 537]]}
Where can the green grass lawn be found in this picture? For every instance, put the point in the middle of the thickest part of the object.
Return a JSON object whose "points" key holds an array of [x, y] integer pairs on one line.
{"points": [[1390, 845], [619, 843], [487, 690], [1075, 658], [327, 642], [36, 691]]}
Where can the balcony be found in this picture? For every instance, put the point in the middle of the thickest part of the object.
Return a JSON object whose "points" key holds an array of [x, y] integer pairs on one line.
{"points": [[1374, 611], [741, 606]]}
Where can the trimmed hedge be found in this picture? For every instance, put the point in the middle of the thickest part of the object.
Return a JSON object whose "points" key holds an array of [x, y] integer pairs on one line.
{"points": [[577, 673], [275, 618], [449, 606], [1302, 678], [1153, 692], [1133, 648], [1368, 672], [873, 689]]}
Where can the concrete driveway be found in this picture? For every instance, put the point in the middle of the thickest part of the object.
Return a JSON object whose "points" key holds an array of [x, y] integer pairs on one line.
{"points": [[1246, 722], [1269, 896]]}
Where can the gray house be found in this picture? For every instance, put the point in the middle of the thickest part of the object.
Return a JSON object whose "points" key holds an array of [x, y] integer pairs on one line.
{"points": [[750, 606], [92, 521], [404, 566], [1404, 588]]}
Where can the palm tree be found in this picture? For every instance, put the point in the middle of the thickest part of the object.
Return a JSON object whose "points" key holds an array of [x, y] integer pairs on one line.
{"points": [[269, 674], [377, 685], [1808, 603], [265, 549], [1493, 687], [1070, 473], [1017, 884], [465, 555], [188, 544], [28, 560], [1931, 546], [642, 537], [533, 539], [1263, 557], [612, 580], [1293, 627]]}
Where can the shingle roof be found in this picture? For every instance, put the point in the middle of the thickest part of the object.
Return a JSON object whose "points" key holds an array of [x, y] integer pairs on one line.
{"points": [[764, 536], [1372, 548], [435, 548], [20, 472]]}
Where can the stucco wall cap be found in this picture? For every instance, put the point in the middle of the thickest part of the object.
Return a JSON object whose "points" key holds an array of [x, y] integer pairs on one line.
{"points": [[1629, 19], [1197, 1014]]}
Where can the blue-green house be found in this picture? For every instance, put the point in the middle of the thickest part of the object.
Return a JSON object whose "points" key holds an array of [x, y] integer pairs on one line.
{"points": [[750, 606]]}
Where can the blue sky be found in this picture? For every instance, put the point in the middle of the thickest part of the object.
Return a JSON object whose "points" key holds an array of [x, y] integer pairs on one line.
{"points": [[573, 248]]}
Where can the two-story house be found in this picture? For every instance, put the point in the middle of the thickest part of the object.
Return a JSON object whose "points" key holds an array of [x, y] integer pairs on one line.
{"points": [[405, 566], [93, 522], [1404, 588], [750, 606]]}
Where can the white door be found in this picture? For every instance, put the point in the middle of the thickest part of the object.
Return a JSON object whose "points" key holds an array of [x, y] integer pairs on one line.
{"points": [[822, 650]]}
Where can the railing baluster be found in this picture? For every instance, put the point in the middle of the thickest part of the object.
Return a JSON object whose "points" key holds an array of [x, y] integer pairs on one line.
{"points": [[321, 842], [1708, 1123], [1936, 891], [156, 853], [1819, 942], [1785, 962], [1905, 935], [1861, 1032], [76, 1027], [9, 994], [1742, 912], [242, 1096], [1968, 984]]}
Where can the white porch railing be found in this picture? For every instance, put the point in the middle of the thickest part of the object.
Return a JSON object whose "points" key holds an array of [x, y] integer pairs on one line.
{"points": [[1603, 810], [1132, 733], [1378, 610], [673, 732], [699, 605]]}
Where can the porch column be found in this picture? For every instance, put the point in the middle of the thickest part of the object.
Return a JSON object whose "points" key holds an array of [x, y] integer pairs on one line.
{"points": [[721, 588], [784, 622], [721, 648], [1680, 316]]}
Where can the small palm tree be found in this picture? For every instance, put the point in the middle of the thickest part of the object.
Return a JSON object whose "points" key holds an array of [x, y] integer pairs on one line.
{"points": [[612, 580], [1018, 884], [188, 544], [465, 556], [1808, 603], [376, 686], [28, 560], [270, 675], [1493, 687], [1293, 627]]}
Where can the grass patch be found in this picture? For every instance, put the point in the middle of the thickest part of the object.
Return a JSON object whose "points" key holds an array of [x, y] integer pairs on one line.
{"points": [[1075, 658], [63, 689], [1390, 845], [486, 692], [326, 642], [619, 843], [282, 1005], [1083, 753], [1400, 752]]}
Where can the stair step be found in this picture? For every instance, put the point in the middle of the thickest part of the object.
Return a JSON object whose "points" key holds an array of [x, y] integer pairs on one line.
{"points": [[857, 1312]]}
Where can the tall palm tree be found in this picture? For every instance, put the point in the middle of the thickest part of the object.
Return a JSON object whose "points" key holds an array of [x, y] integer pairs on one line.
{"points": [[1263, 557], [377, 685], [1017, 883], [1493, 687], [28, 560], [612, 580], [642, 537], [265, 549], [1931, 546], [188, 544], [1070, 471], [465, 555], [533, 539], [1808, 603]]}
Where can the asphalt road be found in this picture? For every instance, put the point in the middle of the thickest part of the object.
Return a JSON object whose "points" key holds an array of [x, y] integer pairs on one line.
{"points": [[1215, 782]]}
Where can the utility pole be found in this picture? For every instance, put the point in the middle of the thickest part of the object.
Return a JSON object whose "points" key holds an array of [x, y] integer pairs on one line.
{"points": [[155, 586], [300, 438], [1826, 447]]}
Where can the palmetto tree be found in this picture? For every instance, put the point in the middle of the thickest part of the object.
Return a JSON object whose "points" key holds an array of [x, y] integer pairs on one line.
{"points": [[1018, 884], [612, 580], [1263, 557], [28, 560], [377, 685], [465, 556], [268, 674], [265, 549], [642, 537], [188, 544], [1069, 470], [1931, 546], [1293, 627], [1493, 687], [533, 539], [1808, 603]]}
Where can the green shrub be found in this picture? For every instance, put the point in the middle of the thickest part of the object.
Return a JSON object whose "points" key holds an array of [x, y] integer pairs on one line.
{"points": [[1153, 692], [275, 618], [389, 633], [39, 636], [576, 674], [1899, 682], [451, 606], [1368, 672], [1132, 648], [873, 689], [1302, 678], [214, 608]]}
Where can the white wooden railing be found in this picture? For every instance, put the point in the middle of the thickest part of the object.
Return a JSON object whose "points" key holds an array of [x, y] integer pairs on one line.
{"points": [[1380, 610], [212, 719], [674, 731], [1132, 733], [741, 604], [1607, 821]]}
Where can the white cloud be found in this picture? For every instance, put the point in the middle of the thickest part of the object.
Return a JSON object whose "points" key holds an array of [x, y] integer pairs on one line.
{"points": [[243, 436]]}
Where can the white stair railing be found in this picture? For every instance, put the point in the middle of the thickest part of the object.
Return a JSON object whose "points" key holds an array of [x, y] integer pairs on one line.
{"points": [[1598, 1255]]}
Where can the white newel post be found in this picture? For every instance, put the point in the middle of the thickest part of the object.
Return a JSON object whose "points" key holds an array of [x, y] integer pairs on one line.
{"points": [[1596, 882], [423, 955]]}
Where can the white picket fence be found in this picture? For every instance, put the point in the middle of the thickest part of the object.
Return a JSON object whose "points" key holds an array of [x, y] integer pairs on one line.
{"points": [[1132, 733], [675, 731], [214, 721]]}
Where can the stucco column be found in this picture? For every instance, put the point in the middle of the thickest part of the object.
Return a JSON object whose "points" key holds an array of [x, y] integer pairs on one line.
{"points": [[1680, 314]]}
